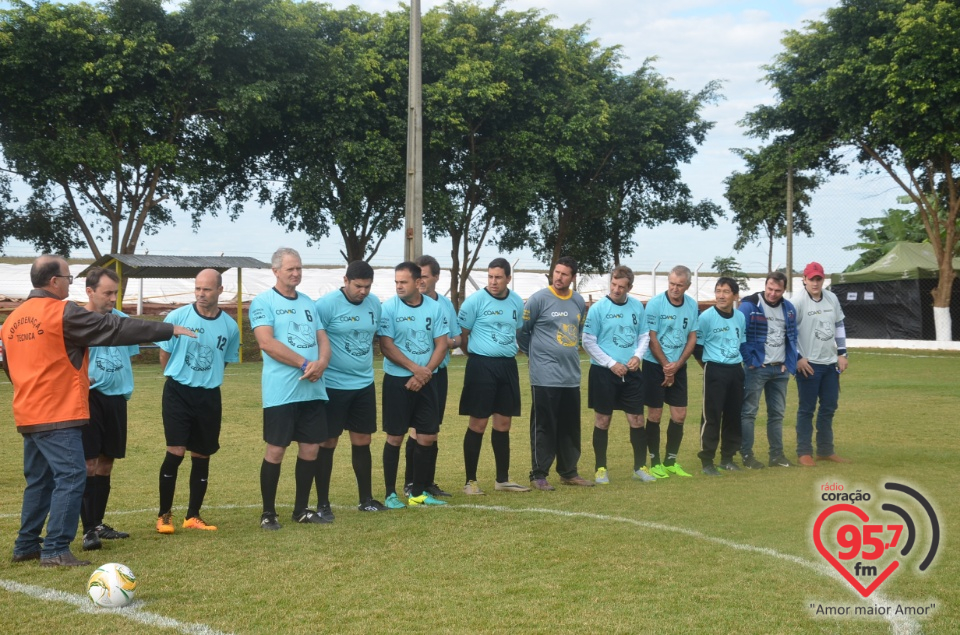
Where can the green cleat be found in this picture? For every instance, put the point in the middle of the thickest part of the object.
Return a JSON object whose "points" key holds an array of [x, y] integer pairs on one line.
{"points": [[424, 499], [393, 502], [601, 477], [659, 471], [676, 470]]}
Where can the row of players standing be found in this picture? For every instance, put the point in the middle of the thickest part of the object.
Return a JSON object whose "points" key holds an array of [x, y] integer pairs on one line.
{"points": [[318, 379]]}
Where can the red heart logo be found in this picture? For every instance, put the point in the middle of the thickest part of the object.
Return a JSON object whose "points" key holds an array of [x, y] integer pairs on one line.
{"points": [[849, 577]]}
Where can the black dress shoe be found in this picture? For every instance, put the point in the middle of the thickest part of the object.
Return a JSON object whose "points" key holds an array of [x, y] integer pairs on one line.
{"points": [[24, 557], [65, 559], [91, 540]]}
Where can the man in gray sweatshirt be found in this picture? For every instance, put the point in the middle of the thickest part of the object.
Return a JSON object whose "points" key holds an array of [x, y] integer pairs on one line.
{"points": [[552, 319]]}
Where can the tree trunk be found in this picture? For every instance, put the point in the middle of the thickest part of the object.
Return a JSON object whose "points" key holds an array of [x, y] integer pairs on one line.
{"points": [[941, 300]]}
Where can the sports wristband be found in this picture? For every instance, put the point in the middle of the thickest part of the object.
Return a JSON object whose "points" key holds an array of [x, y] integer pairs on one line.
{"points": [[303, 366]]}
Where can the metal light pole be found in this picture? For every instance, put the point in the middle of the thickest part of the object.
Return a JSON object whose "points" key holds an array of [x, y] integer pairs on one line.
{"points": [[413, 223]]}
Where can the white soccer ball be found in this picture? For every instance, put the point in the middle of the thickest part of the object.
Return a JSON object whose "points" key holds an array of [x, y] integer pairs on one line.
{"points": [[112, 586]]}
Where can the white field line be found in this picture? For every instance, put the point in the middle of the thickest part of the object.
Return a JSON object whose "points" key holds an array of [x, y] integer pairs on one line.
{"points": [[133, 613], [899, 625]]}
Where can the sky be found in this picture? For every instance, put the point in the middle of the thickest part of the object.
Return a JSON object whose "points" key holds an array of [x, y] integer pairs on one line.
{"points": [[694, 42]]}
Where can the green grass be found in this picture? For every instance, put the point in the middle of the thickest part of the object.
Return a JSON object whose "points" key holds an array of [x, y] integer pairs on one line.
{"points": [[677, 556]]}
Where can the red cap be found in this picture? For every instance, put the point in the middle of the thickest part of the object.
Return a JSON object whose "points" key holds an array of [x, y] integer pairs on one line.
{"points": [[813, 270]]}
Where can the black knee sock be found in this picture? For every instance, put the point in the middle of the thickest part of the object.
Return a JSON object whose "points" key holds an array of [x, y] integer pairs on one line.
{"points": [[500, 440], [168, 481], [421, 466], [323, 475], [303, 477], [638, 439], [653, 441], [432, 474], [674, 437], [269, 481], [408, 460], [362, 469], [88, 504], [391, 463], [472, 444], [101, 484], [199, 474], [600, 446]]}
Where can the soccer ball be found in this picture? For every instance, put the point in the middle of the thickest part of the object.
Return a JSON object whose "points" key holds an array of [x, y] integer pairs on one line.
{"points": [[112, 586]]}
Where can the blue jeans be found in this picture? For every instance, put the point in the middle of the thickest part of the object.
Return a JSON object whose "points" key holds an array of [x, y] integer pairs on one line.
{"points": [[770, 382], [56, 474], [823, 385]]}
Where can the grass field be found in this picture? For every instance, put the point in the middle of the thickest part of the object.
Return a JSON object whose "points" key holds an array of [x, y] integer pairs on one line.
{"points": [[725, 555]]}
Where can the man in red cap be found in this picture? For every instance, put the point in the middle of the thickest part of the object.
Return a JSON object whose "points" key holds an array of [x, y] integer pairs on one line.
{"points": [[822, 348]]}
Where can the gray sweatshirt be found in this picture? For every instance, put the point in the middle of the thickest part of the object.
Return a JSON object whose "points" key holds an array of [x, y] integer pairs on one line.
{"points": [[550, 336]]}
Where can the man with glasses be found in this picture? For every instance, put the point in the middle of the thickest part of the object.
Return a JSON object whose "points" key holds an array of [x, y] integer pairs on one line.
{"points": [[46, 357]]}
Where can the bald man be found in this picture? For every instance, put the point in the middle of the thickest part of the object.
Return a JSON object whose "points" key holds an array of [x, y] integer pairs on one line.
{"points": [[191, 396]]}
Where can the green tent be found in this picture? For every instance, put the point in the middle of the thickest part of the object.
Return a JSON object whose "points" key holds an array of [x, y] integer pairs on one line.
{"points": [[905, 261], [891, 299]]}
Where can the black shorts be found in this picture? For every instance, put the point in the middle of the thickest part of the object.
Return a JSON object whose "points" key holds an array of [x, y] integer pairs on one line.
{"points": [[440, 379], [300, 421], [606, 392], [404, 409], [191, 417], [107, 432], [491, 385], [655, 395], [351, 410]]}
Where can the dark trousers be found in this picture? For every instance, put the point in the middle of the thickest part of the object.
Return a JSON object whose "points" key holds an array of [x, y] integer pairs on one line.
{"points": [[722, 403], [554, 431]]}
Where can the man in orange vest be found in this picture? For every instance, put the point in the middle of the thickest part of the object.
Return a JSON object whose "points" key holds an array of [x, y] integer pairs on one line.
{"points": [[45, 343]]}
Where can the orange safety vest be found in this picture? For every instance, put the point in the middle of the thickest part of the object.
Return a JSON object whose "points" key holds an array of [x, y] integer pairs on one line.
{"points": [[48, 392]]}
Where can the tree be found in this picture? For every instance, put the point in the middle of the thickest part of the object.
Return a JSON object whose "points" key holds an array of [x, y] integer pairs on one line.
{"points": [[342, 162], [758, 198], [729, 266], [881, 77], [485, 70], [113, 113], [879, 234], [612, 154]]}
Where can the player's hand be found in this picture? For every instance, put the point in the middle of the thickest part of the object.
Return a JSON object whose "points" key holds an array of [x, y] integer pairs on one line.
{"points": [[413, 384], [182, 330], [842, 363], [423, 375], [618, 369], [804, 368], [633, 364], [314, 371]]}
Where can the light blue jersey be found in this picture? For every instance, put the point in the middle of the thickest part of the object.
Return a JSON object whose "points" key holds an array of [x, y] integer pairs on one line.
{"points": [[199, 362], [453, 329], [673, 325], [109, 369], [721, 336], [617, 328], [350, 328], [295, 325], [412, 329], [493, 323]]}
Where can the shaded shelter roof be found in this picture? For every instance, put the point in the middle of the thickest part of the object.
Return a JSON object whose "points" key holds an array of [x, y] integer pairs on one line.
{"points": [[904, 261], [150, 266]]}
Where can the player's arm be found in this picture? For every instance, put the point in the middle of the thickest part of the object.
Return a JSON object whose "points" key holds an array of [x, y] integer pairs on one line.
{"points": [[687, 352], [390, 350], [278, 352], [164, 358], [656, 350], [643, 343], [531, 312], [840, 337], [464, 338], [596, 354]]}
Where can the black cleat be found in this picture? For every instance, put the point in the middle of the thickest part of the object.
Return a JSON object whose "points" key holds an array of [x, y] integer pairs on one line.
{"points": [[780, 461], [730, 466], [106, 532], [711, 470], [751, 463], [268, 521], [434, 490], [91, 541], [326, 513], [372, 505], [308, 517]]}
